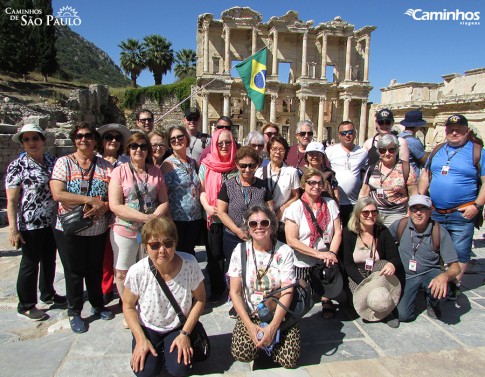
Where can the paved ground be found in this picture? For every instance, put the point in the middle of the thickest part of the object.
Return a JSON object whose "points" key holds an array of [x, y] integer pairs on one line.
{"points": [[344, 346]]}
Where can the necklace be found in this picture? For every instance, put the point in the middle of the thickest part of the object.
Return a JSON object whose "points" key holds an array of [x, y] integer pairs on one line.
{"points": [[260, 272]]}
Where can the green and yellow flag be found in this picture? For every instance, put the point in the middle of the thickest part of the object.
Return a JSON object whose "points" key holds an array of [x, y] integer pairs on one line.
{"points": [[253, 75]]}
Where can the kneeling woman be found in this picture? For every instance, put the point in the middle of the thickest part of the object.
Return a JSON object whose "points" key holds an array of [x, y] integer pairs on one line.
{"points": [[159, 339], [269, 266]]}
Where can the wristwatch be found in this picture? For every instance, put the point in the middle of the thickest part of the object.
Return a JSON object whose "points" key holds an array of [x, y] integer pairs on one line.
{"points": [[478, 206], [183, 332]]}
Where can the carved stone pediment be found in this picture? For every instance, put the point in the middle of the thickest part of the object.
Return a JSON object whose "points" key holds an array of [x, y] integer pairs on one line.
{"points": [[204, 19], [337, 25], [241, 16], [290, 20]]}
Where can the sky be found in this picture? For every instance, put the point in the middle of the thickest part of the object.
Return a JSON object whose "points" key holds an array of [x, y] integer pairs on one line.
{"points": [[402, 48]]}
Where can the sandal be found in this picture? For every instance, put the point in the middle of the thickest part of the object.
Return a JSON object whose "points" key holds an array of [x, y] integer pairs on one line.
{"points": [[328, 309]]}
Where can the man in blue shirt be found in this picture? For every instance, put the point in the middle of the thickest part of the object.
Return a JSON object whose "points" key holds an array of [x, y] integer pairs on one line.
{"points": [[452, 179], [413, 122]]}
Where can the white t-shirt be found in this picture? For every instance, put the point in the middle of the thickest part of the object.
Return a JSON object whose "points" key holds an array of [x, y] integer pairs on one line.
{"points": [[295, 212], [154, 310], [280, 272], [347, 168], [280, 186]]}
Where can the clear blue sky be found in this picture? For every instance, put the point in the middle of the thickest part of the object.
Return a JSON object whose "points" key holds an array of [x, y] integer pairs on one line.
{"points": [[401, 47]]}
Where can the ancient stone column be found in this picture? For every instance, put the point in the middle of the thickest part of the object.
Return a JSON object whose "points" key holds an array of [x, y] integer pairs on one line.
{"points": [[366, 57], [227, 50], [321, 114], [363, 122], [347, 58], [346, 109], [304, 68], [252, 123], [227, 105], [302, 107], [254, 40], [205, 28], [272, 110], [274, 70], [205, 112], [324, 57]]}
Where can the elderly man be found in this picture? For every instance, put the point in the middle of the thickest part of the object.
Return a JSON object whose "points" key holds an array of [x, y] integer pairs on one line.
{"points": [[304, 135], [198, 140], [452, 175], [347, 161], [422, 242], [413, 122], [384, 123], [144, 120]]}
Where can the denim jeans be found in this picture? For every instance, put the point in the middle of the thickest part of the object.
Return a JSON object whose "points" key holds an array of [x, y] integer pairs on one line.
{"points": [[461, 232]]}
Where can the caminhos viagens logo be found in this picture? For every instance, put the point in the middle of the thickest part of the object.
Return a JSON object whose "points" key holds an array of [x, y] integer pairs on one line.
{"points": [[465, 18]]}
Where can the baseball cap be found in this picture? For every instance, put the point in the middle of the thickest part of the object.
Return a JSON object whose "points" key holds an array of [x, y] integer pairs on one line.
{"points": [[457, 119], [420, 199], [315, 146], [385, 114], [192, 112]]}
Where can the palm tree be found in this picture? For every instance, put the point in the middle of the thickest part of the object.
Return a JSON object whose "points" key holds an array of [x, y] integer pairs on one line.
{"points": [[185, 63], [159, 56], [132, 58]]}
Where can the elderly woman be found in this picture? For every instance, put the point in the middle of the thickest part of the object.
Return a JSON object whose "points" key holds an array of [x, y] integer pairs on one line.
{"points": [[390, 181], [313, 230], [81, 179], [159, 148], [268, 266], [136, 194], [218, 166], [256, 141], [30, 211], [183, 187], [160, 340], [368, 246], [282, 180], [113, 138]]}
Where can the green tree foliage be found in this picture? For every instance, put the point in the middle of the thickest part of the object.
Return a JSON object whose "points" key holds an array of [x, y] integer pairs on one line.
{"points": [[132, 58], [46, 42], [185, 61], [159, 56]]}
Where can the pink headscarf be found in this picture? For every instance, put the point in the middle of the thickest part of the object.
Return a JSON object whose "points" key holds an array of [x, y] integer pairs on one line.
{"points": [[216, 166]]}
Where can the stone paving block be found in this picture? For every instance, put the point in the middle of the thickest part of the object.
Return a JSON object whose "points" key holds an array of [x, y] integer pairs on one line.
{"points": [[319, 370], [330, 352], [468, 329], [357, 368], [114, 366], [480, 301], [279, 372]]}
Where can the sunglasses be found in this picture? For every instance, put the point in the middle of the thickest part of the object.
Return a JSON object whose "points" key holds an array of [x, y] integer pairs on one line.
{"points": [[145, 120], [345, 133], [278, 150], [256, 146], [87, 136], [192, 119], [384, 122], [384, 150], [368, 213], [303, 134], [313, 183], [27, 139], [167, 244], [109, 137], [158, 146], [178, 138], [135, 146], [252, 165], [415, 209], [253, 224], [229, 128], [223, 143], [271, 134]]}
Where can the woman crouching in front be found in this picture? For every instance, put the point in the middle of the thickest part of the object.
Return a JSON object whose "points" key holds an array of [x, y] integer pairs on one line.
{"points": [[159, 339], [269, 266]]}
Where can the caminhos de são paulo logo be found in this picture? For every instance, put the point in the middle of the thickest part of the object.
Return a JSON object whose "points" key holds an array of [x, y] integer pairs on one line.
{"points": [[463, 17]]}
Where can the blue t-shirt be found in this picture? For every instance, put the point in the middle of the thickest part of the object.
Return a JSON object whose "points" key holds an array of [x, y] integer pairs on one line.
{"points": [[416, 150], [459, 185]]}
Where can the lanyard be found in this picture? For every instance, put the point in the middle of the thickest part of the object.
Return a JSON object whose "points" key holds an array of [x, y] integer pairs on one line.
{"points": [[453, 155], [416, 246], [138, 178], [372, 248], [387, 175], [141, 201], [246, 191], [298, 157], [272, 185], [82, 170], [260, 273]]}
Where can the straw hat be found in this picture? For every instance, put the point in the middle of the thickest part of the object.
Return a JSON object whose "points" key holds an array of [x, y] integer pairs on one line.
{"points": [[122, 130], [27, 128], [376, 296]]}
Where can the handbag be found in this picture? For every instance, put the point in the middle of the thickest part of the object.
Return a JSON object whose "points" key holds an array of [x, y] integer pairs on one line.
{"points": [[301, 303], [74, 221], [198, 337]]}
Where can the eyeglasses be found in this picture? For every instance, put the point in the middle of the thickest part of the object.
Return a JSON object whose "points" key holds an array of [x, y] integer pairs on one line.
{"points": [[87, 136], [384, 150], [223, 143], [167, 244], [278, 150], [144, 120], [33, 138], [345, 133], [372, 212], [415, 209], [135, 146], [251, 166], [303, 134], [109, 137], [271, 134], [256, 146], [156, 146], [178, 138], [384, 122], [221, 127], [253, 224], [192, 119], [313, 183]]}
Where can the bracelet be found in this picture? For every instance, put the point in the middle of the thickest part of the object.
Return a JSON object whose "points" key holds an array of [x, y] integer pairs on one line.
{"points": [[183, 332], [333, 252], [478, 206]]}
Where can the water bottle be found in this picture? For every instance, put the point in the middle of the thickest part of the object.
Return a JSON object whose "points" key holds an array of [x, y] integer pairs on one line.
{"points": [[264, 314]]}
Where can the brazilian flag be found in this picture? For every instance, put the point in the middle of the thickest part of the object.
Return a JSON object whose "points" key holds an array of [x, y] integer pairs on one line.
{"points": [[253, 75]]}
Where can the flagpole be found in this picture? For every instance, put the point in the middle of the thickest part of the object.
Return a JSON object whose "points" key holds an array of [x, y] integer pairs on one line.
{"points": [[202, 87]]}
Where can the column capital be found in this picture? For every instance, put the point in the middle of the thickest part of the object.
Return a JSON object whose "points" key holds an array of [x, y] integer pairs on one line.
{"points": [[347, 99], [364, 101], [205, 25], [226, 95], [274, 96], [322, 99]]}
